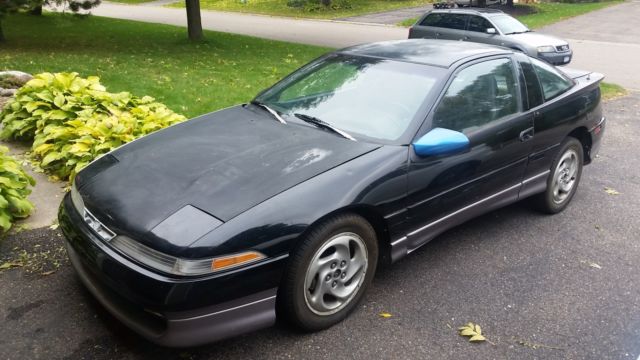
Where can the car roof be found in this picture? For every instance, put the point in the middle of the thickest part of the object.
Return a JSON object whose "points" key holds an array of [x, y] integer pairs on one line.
{"points": [[441, 53], [476, 11]]}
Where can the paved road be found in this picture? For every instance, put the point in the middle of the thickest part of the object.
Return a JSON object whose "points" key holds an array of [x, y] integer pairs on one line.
{"points": [[525, 277], [607, 41]]}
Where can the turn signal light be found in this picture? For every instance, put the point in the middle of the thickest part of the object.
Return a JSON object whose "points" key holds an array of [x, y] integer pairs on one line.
{"points": [[235, 260]]}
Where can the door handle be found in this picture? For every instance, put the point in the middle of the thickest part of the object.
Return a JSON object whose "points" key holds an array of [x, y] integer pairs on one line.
{"points": [[526, 135]]}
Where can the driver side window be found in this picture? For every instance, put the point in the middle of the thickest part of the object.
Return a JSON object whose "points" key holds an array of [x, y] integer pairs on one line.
{"points": [[478, 95]]}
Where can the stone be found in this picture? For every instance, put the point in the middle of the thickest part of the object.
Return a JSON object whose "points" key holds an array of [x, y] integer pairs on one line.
{"points": [[7, 92], [21, 76]]}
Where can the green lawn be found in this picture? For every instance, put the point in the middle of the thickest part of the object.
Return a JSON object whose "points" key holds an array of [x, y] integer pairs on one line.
{"points": [[149, 59], [612, 91], [132, 2], [280, 8], [548, 13]]}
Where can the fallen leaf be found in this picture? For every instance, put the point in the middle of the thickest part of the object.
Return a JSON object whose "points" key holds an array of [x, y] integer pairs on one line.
{"points": [[611, 191], [46, 273], [473, 331], [534, 346], [385, 315], [54, 226], [9, 265], [594, 265]]}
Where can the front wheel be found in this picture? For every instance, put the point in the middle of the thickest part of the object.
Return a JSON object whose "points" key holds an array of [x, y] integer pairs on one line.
{"points": [[329, 272], [563, 181]]}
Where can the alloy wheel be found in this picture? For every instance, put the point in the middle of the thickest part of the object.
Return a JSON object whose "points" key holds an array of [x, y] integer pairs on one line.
{"points": [[335, 273]]}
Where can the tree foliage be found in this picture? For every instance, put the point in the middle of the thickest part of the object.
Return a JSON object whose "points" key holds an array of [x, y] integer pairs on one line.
{"points": [[9, 6]]}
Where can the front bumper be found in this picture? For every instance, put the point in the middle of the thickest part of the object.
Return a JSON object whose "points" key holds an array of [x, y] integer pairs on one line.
{"points": [[171, 311], [557, 58]]}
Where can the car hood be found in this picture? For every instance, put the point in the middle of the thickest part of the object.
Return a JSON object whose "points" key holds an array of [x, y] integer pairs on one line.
{"points": [[221, 163], [537, 39]]}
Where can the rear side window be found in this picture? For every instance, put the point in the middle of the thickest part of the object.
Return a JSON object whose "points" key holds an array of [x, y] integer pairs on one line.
{"points": [[553, 83], [432, 20], [449, 21], [479, 24], [478, 95], [534, 93]]}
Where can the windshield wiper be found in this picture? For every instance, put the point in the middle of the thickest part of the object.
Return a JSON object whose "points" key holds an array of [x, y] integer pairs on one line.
{"points": [[322, 124], [518, 32], [270, 110]]}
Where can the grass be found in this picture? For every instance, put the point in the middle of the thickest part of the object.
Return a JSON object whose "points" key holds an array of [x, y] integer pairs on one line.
{"points": [[548, 13], [280, 8], [612, 91], [150, 59], [132, 2]]}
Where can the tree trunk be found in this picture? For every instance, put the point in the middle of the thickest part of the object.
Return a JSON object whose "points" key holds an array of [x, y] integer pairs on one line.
{"points": [[510, 3], [194, 23], [38, 10], [1, 33]]}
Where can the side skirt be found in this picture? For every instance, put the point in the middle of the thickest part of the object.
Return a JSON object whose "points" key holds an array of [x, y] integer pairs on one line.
{"points": [[413, 240]]}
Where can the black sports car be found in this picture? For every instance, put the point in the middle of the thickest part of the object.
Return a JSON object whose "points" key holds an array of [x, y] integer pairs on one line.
{"points": [[286, 205]]}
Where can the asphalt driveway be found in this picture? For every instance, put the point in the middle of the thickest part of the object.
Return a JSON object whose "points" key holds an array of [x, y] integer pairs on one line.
{"points": [[550, 287], [605, 41]]}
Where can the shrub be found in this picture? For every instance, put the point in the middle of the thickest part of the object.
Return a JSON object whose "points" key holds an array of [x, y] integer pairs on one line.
{"points": [[72, 120], [14, 188], [320, 5]]}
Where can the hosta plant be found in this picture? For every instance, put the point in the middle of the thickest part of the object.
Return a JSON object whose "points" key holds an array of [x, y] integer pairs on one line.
{"points": [[14, 187], [72, 120]]}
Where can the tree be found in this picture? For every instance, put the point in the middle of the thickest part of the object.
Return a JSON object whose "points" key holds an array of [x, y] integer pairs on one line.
{"points": [[194, 22], [9, 6]]}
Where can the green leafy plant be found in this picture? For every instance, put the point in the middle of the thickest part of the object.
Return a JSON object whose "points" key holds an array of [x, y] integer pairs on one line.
{"points": [[14, 187], [73, 120]]}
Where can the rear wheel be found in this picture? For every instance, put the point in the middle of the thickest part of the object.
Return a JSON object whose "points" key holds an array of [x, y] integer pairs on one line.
{"points": [[329, 272], [563, 181]]}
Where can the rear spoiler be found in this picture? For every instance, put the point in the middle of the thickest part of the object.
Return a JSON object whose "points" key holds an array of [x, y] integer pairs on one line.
{"points": [[578, 75]]}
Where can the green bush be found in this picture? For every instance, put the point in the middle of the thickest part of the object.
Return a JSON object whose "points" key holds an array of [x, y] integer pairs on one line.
{"points": [[72, 120], [320, 5], [14, 188]]}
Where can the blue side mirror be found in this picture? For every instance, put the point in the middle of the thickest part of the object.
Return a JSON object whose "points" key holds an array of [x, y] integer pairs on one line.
{"points": [[441, 141]]}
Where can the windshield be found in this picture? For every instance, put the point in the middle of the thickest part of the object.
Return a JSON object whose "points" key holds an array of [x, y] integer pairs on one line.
{"points": [[508, 25], [369, 97]]}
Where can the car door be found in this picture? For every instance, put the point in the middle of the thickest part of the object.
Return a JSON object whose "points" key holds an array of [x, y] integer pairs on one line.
{"points": [[477, 30], [453, 27], [552, 114], [483, 101]]}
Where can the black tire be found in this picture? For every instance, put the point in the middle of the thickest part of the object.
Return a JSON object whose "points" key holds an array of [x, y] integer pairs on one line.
{"points": [[548, 202], [293, 295]]}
